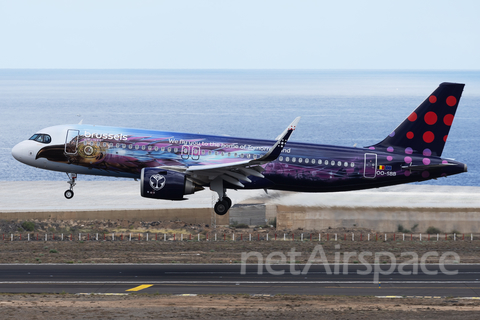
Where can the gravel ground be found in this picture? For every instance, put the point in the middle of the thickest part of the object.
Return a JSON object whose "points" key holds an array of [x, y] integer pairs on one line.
{"points": [[220, 252], [231, 307]]}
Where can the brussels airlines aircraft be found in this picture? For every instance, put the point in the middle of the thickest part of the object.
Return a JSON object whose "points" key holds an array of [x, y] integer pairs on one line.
{"points": [[171, 165]]}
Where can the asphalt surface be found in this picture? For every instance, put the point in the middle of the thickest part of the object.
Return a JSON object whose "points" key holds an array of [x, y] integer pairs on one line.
{"points": [[221, 279]]}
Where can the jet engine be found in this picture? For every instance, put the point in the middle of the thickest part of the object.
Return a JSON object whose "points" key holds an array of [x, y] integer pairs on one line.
{"points": [[158, 183]]}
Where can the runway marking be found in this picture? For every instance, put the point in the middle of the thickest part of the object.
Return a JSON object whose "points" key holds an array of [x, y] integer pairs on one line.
{"points": [[143, 286], [102, 294]]}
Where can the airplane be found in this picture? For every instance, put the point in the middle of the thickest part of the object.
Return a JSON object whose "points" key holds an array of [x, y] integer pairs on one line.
{"points": [[171, 165]]}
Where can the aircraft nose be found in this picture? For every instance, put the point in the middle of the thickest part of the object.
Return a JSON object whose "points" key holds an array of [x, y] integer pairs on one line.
{"points": [[20, 151]]}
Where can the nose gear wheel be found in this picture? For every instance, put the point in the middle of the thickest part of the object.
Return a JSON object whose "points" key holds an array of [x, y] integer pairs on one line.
{"points": [[72, 178]]}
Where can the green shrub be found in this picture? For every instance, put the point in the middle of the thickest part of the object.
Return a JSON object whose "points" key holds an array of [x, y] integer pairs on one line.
{"points": [[53, 251], [242, 226], [433, 230], [28, 226], [400, 228], [273, 222]]}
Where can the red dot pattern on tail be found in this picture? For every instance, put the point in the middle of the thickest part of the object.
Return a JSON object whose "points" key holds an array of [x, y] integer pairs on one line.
{"points": [[428, 136], [412, 117], [428, 126], [430, 118], [448, 119], [451, 101]]}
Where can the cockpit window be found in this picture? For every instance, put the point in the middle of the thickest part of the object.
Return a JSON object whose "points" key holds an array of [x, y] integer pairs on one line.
{"points": [[40, 137]]}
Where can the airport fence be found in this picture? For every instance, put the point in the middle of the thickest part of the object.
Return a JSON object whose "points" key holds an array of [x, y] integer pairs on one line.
{"points": [[303, 237]]}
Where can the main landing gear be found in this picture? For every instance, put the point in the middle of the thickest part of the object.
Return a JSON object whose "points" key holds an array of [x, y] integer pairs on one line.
{"points": [[222, 206], [72, 177], [224, 203]]}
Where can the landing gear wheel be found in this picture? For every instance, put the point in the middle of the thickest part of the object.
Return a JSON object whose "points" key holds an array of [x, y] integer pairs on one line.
{"points": [[221, 207], [68, 194], [228, 201]]}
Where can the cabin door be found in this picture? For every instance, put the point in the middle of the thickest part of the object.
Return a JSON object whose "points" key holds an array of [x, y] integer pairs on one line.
{"points": [[71, 142], [370, 165]]}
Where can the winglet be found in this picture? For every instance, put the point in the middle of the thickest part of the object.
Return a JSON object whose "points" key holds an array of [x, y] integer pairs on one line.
{"points": [[292, 127], [282, 139]]}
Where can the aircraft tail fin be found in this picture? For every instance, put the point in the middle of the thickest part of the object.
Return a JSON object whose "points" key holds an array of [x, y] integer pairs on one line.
{"points": [[425, 130]]}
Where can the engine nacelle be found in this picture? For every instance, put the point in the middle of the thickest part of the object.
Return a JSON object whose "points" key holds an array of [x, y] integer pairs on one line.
{"points": [[159, 183]]}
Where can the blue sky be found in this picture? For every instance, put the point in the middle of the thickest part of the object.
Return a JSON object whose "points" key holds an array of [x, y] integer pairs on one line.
{"points": [[243, 34]]}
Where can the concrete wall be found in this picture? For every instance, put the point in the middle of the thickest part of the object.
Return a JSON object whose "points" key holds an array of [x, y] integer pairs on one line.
{"points": [[464, 220], [250, 214], [385, 219], [188, 215]]}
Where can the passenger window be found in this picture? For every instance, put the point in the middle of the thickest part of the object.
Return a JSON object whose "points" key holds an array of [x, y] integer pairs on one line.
{"points": [[235, 154], [352, 164], [130, 146], [163, 149], [209, 153], [169, 149], [156, 148], [339, 163], [175, 150], [307, 161], [143, 147], [216, 153], [223, 153], [248, 155], [345, 164], [287, 159], [111, 145], [241, 155], [104, 144], [280, 158], [332, 163], [149, 148], [203, 152], [294, 159], [117, 145], [313, 161], [137, 147], [300, 160]]}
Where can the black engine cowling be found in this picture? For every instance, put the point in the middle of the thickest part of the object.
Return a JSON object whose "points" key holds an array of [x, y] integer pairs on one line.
{"points": [[166, 184]]}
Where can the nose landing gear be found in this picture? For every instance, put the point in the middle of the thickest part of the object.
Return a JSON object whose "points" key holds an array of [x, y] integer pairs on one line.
{"points": [[69, 193]]}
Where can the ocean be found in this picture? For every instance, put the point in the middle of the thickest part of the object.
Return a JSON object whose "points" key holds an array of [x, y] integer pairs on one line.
{"points": [[338, 107]]}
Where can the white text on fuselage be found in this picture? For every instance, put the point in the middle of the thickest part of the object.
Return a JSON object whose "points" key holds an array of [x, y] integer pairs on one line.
{"points": [[111, 136], [223, 145]]}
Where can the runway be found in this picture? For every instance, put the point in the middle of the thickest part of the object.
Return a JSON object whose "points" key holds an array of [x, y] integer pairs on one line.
{"points": [[228, 279]]}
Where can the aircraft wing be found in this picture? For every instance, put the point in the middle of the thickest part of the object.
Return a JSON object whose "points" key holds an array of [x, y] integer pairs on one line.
{"points": [[235, 173]]}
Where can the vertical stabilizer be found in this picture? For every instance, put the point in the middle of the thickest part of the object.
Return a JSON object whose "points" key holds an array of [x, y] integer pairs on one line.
{"points": [[425, 130]]}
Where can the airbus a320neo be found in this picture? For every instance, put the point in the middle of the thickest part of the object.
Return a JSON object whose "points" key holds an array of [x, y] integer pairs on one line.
{"points": [[172, 164]]}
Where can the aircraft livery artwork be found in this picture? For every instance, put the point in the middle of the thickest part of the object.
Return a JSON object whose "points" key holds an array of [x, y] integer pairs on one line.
{"points": [[172, 165]]}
